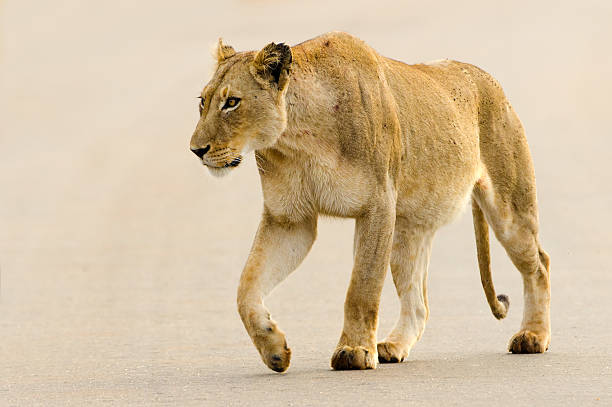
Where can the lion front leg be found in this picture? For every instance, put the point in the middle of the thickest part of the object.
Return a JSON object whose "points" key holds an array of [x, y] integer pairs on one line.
{"points": [[357, 345], [278, 249]]}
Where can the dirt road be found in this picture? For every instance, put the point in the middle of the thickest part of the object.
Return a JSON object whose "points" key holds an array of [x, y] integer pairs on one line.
{"points": [[120, 255]]}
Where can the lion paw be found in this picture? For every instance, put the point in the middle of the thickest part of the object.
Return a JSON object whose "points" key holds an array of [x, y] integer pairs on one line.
{"points": [[353, 358], [392, 352], [526, 341], [273, 348], [278, 360]]}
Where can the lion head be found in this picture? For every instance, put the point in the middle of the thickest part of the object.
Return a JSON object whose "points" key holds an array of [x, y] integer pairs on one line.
{"points": [[242, 108]]}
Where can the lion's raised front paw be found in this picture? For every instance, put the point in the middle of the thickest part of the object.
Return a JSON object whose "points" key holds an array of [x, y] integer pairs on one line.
{"points": [[392, 352], [353, 358], [273, 348], [526, 341], [279, 359]]}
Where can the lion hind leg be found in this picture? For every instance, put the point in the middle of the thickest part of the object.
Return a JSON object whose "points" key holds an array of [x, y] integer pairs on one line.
{"points": [[506, 193], [409, 264]]}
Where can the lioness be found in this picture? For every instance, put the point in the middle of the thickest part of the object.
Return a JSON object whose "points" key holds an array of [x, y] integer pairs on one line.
{"points": [[340, 130]]}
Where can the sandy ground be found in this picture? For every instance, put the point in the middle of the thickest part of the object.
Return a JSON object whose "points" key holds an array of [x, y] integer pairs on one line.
{"points": [[120, 255]]}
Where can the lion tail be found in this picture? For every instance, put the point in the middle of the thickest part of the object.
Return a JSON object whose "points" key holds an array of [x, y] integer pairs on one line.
{"points": [[499, 304]]}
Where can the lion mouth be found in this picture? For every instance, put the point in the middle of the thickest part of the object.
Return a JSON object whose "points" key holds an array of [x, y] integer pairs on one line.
{"points": [[234, 163]]}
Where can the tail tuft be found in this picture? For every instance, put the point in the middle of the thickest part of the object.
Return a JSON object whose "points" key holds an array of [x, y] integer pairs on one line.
{"points": [[502, 307]]}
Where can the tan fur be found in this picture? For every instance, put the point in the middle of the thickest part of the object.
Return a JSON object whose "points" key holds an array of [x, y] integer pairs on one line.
{"points": [[340, 130], [223, 51]]}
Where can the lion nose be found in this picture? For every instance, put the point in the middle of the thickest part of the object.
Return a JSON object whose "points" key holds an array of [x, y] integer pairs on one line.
{"points": [[201, 151]]}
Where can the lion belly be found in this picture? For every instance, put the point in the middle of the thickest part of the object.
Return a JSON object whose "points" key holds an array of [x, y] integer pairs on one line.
{"points": [[436, 179]]}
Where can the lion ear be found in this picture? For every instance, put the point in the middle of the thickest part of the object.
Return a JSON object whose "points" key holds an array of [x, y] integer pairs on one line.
{"points": [[224, 51], [272, 65]]}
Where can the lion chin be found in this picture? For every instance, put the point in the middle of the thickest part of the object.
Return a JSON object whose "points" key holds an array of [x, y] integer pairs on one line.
{"points": [[220, 171]]}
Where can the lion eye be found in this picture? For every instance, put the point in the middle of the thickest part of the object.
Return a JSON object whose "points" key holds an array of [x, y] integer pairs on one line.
{"points": [[201, 102], [231, 102]]}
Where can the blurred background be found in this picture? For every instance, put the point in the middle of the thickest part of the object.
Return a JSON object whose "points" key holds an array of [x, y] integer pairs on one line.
{"points": [[120, 255]]}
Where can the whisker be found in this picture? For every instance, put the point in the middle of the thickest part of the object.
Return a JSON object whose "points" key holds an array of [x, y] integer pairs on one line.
{"points": [[259, 167]]}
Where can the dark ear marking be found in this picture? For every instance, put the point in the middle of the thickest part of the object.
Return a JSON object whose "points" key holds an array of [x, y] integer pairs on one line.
{"points": [[273, 62]]}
